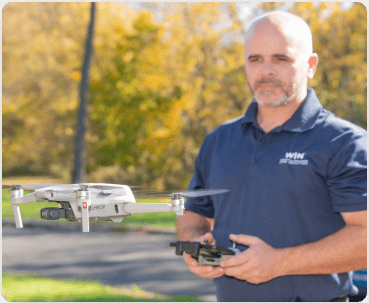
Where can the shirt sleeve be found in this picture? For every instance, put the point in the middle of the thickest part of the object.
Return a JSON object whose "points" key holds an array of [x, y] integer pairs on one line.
{"points": [[347, 173], [200, 205]]}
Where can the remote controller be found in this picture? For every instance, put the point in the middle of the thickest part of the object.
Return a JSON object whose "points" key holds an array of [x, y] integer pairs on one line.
{"points": [[205, 254]]}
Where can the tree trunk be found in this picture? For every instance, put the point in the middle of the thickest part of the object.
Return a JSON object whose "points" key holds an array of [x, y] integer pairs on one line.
{"points": [[79, 149]]}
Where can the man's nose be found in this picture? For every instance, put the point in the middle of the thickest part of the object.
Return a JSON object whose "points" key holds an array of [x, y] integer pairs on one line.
{"points": [[268, 68]]}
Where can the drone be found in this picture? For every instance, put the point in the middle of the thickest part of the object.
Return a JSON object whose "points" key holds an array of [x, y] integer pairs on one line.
{"points": [[85, 202]]}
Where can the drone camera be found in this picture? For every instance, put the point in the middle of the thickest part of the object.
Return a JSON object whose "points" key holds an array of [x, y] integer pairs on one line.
{"points": [[52, 213]]}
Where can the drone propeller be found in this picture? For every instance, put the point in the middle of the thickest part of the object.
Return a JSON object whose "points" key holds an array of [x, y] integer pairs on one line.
{"points": [[101, 186], [27, 187], [105, 185], [191, 193]]}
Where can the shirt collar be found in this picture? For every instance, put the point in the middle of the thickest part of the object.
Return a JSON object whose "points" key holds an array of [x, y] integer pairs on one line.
{"points": [[302, 120]]}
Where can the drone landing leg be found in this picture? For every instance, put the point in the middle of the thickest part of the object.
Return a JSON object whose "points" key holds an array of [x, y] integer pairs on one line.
{"points": [[85, 221], [16, 195], [17, 216], [18, 198], [84, 202]]}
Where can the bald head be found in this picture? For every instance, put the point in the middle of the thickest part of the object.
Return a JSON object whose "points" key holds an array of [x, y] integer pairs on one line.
{"points": [[292, 27]]}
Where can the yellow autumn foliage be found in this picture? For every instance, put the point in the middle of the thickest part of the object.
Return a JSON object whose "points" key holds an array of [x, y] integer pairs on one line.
{"points": [[157, 85]]}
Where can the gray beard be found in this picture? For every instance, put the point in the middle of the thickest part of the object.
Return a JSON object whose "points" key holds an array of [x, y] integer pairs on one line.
{"points": [[284, 100], [289, 93]]}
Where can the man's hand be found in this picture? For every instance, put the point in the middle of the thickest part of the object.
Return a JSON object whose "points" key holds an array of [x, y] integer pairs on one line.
{"points": [[203, 271], [257, 264]]}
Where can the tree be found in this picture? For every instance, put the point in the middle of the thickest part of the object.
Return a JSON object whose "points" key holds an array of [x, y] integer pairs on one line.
{"points": [[157, 87], [41, 63], [42, 53], [206, 65], [79, 161]]}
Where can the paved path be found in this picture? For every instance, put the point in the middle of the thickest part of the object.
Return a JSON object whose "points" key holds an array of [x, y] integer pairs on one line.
{"points": [[112, 258]]}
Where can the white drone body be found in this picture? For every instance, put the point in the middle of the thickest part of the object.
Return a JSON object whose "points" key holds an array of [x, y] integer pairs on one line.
{"points": [[87, 202]]}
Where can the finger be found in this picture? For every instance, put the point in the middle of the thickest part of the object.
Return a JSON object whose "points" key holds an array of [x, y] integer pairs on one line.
{"points": [[204, 271], [245, 239], [200, 239], [236, 271], [237, 260], [189, 260], [207, 271], [215, 273], [209, 237]]}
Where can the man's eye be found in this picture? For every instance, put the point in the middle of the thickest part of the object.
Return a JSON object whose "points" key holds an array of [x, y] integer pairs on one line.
{"points": [[282, 59]]}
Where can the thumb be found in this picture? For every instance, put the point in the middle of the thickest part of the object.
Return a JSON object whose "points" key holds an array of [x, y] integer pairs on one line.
{"points": [[245, 239], [210, 238]]}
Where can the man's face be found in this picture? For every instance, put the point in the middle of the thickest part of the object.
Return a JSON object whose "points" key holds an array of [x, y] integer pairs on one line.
{"points": [[276, 70]]}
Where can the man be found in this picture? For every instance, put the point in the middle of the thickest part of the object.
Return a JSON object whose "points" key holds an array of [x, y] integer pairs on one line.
{"points": [[297, 179]]}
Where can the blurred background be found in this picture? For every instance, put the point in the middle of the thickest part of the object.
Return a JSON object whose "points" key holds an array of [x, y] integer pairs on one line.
{"points": [[155, 79], [161, 77]]}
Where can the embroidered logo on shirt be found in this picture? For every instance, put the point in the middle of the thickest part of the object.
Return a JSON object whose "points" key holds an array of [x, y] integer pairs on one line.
{"points": [[294, 159]]}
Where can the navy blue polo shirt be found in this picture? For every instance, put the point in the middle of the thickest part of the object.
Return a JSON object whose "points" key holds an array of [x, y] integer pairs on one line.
{"points": [[287, 187]]}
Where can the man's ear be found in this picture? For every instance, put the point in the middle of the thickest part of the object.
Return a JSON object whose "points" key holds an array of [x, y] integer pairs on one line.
{"points": [[313, 63]]}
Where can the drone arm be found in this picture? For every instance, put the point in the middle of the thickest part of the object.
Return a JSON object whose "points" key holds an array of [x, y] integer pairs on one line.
{"points": [[134, 208], [29, 198]]}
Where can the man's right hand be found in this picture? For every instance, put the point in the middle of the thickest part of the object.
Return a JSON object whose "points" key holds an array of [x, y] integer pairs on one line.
{"points": [[203, 271]]}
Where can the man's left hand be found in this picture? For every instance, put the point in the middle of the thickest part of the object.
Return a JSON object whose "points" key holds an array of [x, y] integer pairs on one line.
{"points": [[257, 264]]}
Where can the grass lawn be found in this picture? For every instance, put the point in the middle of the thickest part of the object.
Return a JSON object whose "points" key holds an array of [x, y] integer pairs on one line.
{"points": [[32, 288]]}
